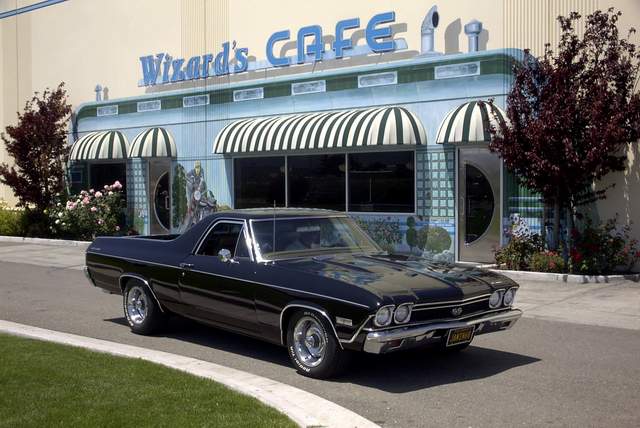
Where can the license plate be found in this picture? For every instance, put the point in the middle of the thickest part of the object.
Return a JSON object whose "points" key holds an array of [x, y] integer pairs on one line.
{"points": [[460, 335]]}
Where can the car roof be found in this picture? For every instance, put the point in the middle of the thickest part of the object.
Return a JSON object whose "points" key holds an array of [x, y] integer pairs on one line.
{"points": [[266, 213]]}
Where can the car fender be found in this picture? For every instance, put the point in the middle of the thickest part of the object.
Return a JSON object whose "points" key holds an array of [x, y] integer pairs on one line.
{"points": [[122, 280], [288, 310]]}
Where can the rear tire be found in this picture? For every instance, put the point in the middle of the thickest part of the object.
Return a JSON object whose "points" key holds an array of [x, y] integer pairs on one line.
{"points": [[313, 348], [141, 310]]}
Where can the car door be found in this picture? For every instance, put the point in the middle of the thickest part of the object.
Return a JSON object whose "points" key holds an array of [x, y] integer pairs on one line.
{"points": [[220, 290]]}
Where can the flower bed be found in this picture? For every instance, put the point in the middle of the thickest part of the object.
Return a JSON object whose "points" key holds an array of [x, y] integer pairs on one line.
{"points": [[597, 250], [91, 213]]}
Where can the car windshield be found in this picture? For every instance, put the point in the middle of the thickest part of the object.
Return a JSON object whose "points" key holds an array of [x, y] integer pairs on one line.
{"points": [[309, 236]]}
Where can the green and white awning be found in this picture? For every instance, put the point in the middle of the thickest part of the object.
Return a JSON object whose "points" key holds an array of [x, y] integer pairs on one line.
{"points": [[103, 145], [376, 127], [470, 123], [153, 143]]}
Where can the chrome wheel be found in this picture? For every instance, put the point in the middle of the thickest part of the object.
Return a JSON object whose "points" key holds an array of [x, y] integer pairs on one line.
{"points": [[137, 305], [309, 341]]}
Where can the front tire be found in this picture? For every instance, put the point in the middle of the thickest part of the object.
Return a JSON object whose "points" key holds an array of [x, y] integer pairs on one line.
{"points": [[141, 309], [313, 348]]}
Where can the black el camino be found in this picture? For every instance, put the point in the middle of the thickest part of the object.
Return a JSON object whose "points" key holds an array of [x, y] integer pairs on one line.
{"points": [[310, 280]]}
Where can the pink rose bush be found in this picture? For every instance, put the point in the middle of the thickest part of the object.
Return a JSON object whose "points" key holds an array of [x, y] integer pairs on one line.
{"points": [[90, 213]]}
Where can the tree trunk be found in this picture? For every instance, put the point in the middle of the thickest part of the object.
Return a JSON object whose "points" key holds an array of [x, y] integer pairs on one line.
{"points": [[555, 244], [543, 228], [571, 225]]}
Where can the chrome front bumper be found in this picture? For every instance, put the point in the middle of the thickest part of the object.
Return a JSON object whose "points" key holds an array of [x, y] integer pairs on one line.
{"points": [[379, 342], [85, 270]]}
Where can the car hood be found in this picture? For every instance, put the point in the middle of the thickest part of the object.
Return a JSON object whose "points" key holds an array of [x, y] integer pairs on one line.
{"points": [[402, 279]]}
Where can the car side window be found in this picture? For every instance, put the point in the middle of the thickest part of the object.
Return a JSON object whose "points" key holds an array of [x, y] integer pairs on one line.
{"points": [[242, 250], [222, 235]]}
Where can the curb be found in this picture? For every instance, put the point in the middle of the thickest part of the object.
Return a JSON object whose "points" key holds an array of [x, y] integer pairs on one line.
{"points": [[304, 408], [565, 277], [58, 242]]}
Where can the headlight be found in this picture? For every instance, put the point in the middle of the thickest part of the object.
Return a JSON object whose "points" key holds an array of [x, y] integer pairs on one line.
{"points": [[402, 313], [495, 299], [383, 316], [509, 296]]}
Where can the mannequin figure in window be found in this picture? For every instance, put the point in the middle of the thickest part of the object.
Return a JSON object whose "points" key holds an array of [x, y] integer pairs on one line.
{"points": [[201, 202]]}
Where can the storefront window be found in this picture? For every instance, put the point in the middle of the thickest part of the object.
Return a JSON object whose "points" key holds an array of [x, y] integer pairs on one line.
{"points": [[259, 182], [317, 181], [381, 182], [105, 174]]}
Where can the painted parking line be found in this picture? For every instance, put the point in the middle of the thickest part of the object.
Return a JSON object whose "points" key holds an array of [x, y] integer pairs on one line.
{"points": [[304, 408]]}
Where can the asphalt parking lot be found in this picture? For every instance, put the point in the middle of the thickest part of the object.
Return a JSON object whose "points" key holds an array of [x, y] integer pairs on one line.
{"points": [[542, 372]]}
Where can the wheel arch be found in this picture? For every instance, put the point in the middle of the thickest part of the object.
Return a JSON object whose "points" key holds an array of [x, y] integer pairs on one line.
{"points": [[291, 308], [126, 277]]}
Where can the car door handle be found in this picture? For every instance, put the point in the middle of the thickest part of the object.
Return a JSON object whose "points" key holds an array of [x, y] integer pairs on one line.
{"points": [[186, 265]]}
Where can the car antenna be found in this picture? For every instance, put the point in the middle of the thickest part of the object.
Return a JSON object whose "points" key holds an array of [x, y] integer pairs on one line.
{"points": [[274, 228]]}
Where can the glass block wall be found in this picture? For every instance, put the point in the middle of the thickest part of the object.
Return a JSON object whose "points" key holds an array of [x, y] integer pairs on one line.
{"points": [[435, 183], [137, 200]]}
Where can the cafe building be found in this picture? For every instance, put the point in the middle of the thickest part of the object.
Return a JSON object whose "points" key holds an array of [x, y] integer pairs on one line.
{"points": [[400, 145]]}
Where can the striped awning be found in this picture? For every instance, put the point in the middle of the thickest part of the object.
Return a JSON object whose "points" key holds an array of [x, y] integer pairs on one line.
{"points": [[325, 130], [153, 143], [103, 145], [470, 123]]}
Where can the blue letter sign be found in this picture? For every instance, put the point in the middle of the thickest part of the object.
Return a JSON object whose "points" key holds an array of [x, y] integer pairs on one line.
{"points": [[341, 44], [276, 37], [163, 68], [373, 33]]}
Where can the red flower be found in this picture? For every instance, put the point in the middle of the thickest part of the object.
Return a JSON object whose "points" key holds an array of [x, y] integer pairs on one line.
{"points": [[576, 256]]}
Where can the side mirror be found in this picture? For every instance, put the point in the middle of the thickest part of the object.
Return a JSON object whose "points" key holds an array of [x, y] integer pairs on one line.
{"points": [[224, 255]]}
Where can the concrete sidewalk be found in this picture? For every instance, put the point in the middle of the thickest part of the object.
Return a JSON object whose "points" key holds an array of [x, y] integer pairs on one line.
{"points": [[615, 304]]}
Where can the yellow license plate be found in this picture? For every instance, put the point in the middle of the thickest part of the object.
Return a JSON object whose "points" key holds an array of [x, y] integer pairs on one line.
{"points": [[460, 335]]}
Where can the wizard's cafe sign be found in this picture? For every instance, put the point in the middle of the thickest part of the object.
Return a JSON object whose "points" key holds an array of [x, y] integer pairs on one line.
{"points": [[162, 68]]}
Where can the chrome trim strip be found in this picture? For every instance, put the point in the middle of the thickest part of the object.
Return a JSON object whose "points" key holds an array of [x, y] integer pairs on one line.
{"points": [[410, 305], [237, 279], [353, 338], [320, 311], [144, 281], [419, 323], [85, 270], [448, 306], [375, 341], [454, 302], [214, 224], [261, 259], [393, 309], [302, 217]]}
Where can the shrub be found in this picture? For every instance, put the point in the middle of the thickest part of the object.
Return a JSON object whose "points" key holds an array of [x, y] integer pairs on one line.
{"points": [[523, 244], [547, 261], [89, 214], [603, 248], [10, 220], [516, 255]]}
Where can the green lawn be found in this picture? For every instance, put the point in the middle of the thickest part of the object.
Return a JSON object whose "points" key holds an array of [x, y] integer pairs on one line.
{"points": [[46, 384]]}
